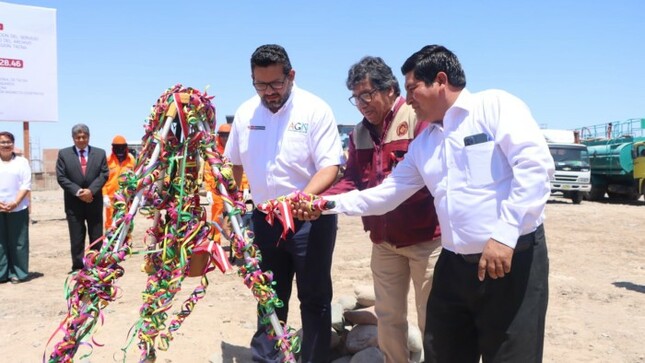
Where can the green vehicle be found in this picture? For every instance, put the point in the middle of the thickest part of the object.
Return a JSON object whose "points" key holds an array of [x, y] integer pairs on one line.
{"points": [[617, 159]]}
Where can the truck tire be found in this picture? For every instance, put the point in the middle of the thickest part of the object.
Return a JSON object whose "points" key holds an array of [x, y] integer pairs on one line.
{"points": [[597, 193], [576, 197]]}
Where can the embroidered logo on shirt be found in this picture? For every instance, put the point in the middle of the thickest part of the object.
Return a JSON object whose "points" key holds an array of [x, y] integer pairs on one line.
{"points": [[256, 127], [299, 127], [402, 129]]}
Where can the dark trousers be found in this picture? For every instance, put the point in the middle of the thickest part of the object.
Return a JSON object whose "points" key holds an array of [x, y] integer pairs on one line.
{"points": [[500, 320], [87, 219], [307, 254], [14, 245]]}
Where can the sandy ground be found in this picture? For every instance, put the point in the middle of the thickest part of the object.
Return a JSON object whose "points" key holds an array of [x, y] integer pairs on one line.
{"points": [[596, 304]]}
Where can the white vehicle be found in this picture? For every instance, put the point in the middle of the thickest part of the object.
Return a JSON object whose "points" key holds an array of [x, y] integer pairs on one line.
{"points": [[572, 175]]}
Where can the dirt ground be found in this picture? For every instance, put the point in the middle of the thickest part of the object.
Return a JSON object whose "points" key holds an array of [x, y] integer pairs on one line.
{"points": [[596, 305]]}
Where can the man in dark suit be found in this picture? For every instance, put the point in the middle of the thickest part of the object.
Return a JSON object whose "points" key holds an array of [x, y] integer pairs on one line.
{"points": [[81, 171]]}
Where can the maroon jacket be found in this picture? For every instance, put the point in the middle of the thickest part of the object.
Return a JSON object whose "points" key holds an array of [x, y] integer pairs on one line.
{"points": [[371, 158]]}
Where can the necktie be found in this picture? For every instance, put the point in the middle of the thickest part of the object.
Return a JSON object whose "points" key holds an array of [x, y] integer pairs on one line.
{"points": [[83, 161]]}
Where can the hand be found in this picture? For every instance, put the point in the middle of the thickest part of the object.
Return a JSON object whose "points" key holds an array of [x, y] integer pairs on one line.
{"points": [[8, 207], [246, 195], [302, 212], [106, 201], [86, 195], [496, 260], [209, 197]]}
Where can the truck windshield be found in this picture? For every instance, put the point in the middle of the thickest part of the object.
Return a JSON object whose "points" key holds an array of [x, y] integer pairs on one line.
{"points": [[571, 157]]}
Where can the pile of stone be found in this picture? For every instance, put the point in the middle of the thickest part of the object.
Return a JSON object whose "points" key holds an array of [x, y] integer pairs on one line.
{"points": [[355, 336]]}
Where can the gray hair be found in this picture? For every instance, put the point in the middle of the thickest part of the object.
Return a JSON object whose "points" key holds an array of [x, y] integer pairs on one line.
{"points": [[376, 71], [78, 128]]}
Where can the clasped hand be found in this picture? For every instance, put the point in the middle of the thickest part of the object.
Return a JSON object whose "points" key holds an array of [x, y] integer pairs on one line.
{"points": [[7, 207], [86, 195]]}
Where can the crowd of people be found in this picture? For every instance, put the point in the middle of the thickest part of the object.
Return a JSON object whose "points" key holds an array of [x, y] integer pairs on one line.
{"points": [[451, 186]]}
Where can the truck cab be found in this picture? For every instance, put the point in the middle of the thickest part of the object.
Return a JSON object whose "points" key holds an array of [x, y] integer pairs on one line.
{"points": [[572, 175]]}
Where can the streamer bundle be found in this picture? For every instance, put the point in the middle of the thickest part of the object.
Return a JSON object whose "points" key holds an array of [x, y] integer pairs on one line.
{"points": [[164, 187]]}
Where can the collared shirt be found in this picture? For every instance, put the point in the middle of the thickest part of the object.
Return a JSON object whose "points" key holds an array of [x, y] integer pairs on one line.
{"points": [[493, 189], [281, 151]]}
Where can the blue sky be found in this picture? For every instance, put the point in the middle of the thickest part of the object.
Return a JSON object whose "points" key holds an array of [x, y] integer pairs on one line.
{"points": [[575, 63]]}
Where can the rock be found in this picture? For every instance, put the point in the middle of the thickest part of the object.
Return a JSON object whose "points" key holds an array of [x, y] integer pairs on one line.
{"points": [[416, 357], [343, 359], [368, 355], [365, 295], [337, 316], [335, 340], [347, 301], [365, 316], [361, 337], [415, 340]]}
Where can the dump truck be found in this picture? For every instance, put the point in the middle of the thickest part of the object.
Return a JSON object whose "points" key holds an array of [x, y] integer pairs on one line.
{"points": [[617, 159], [572, 176]]}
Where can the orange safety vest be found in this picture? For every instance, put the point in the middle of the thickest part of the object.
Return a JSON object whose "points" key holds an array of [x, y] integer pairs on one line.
{"points": [[116, 169]]}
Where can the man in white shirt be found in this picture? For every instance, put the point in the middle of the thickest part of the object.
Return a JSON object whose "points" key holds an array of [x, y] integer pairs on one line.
{"points": [[486, 164], [286, 139]]}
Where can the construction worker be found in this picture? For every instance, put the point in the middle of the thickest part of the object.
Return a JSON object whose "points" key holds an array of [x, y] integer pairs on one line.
{"points": [[119, 161], [213, 197]]}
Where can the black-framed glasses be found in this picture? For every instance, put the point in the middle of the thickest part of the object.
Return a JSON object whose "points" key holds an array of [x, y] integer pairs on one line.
{"points": [[365, 97], [275, 85]]}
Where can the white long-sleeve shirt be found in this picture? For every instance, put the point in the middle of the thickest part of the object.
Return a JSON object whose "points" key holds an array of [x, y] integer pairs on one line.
{"points": [[495, 189]]}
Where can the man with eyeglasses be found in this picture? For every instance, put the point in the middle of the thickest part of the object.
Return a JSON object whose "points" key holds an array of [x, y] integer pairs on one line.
{"points": [[488, 167], [286, 139], [406, 241]]}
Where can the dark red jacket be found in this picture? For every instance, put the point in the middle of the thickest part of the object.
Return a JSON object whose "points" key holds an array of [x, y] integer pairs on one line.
{"points": [[371, 158]]}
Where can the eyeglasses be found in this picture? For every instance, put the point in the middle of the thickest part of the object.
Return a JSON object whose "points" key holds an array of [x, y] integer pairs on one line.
{"points": [[365, 97], [6, 142], [275, 85]]}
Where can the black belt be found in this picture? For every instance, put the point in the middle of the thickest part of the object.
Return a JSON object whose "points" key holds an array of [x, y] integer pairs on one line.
{"points": [[523, 243]]}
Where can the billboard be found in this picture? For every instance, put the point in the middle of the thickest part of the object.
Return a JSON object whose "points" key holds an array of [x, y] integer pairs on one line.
{"points": [[28, 63]]}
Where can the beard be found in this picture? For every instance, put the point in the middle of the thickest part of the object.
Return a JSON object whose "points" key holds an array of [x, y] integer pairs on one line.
{"points": [[276, 104]]}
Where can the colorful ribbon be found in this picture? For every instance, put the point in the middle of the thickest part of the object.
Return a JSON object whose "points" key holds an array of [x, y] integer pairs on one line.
{"points": [[164, 187]]}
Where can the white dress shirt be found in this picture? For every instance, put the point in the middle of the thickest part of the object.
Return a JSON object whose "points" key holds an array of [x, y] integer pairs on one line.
{"points": [[493, 189], [281, 151]]}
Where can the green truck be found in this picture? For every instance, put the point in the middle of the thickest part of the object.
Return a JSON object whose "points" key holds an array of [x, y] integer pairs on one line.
{"points": [[617, 159]]}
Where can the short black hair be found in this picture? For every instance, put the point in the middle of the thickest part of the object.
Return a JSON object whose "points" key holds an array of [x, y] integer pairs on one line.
{"points": [[8, 135], [270, 54], [432, 59]]}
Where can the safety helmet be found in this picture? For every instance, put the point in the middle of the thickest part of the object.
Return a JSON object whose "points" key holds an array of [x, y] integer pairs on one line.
{"points": [[119, 140], [224, 128]]}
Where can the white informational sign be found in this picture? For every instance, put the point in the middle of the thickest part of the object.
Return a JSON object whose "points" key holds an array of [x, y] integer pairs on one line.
{"points": [[28, 66]]}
